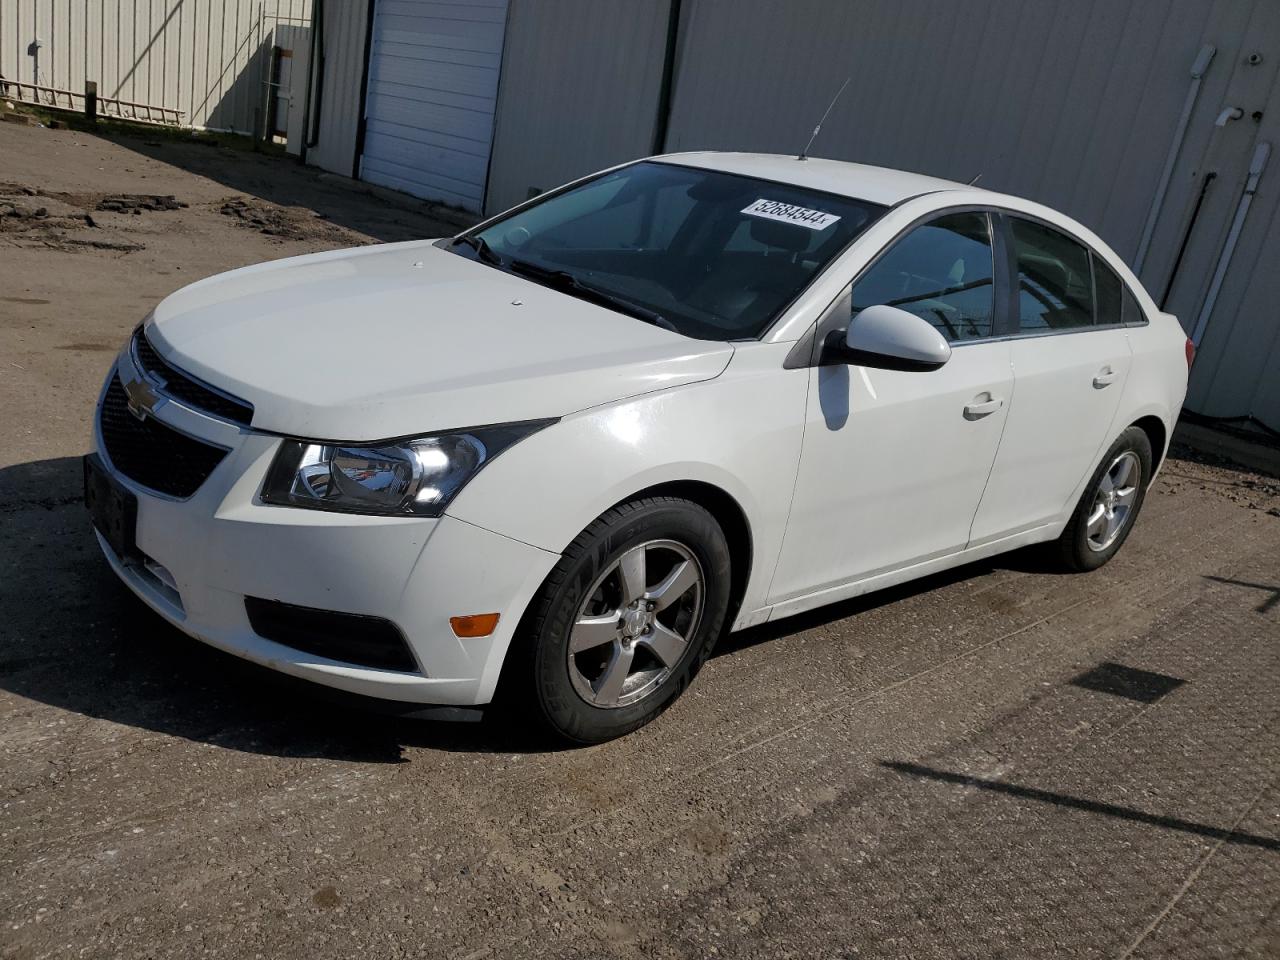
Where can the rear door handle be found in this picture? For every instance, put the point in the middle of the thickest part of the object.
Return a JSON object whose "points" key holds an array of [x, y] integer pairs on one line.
{"points": [[1106, 376], [977, 408]]}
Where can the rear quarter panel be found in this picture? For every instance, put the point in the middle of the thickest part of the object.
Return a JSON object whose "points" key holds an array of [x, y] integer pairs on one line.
{"points": [[1157, 383]]}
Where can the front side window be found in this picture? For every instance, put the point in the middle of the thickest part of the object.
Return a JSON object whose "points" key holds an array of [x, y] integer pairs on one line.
{"points": [[941, 271], [1055, 286], [708, 254]]}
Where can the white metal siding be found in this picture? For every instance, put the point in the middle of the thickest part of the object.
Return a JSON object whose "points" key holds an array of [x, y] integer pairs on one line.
{"points": [[207, 58], [343, 38], [433, 84], [580, 87]]}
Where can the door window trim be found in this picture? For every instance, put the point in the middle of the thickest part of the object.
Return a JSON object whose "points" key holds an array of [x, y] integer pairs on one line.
{"points": [[1013, 331], [805, 352]]}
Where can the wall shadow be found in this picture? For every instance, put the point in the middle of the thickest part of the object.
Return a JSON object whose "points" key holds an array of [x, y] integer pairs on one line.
{"points": [[1268, 603], [276, 178], [1069, 802]]}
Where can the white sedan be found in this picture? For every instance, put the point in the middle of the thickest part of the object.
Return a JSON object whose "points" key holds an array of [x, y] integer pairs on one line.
{"points": [[550, 460]]}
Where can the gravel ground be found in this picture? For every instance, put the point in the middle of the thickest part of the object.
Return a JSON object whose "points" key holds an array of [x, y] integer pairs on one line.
{"points": [[997, 762]]}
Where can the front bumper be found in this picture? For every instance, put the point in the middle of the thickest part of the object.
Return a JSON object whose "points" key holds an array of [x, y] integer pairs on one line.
{"points": [[210, 551]]}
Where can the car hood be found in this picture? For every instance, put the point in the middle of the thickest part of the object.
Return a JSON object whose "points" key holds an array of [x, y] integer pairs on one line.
{"points": [[407, 338]]}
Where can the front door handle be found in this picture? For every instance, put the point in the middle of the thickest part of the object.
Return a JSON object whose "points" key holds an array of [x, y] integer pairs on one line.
{"points": [[981, 406], [1106, 376]]}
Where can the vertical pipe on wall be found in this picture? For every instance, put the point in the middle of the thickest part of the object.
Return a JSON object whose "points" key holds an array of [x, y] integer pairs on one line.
{"points": [[666, 90], [311, 101], [1261, 154], [1198, 70], [361, 119]]}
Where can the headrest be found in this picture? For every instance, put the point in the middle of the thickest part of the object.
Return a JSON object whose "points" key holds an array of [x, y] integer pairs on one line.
{"points": [[783, 236]]}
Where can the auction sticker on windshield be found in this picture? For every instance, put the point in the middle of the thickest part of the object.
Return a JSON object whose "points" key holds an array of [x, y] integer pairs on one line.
{"points": [[787, 213]]}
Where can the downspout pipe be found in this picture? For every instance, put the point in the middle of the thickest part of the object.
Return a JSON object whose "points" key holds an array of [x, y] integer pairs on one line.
{"points": [[1259, 163], [1198, 70], [315, 80], [666, 89]]}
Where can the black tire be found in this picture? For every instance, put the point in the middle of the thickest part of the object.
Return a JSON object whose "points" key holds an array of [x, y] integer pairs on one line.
{"points": [[1072, 549], [536, 682]]}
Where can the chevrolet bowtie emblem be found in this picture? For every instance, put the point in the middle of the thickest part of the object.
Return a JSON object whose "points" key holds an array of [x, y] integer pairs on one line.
{"points": [[141, 398]]}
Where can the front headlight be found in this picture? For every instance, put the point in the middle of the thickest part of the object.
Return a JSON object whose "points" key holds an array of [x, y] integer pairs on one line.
{"points": [[417, 477]]}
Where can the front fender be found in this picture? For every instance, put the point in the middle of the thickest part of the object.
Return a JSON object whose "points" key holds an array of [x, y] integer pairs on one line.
{"points": [[740, 432]]}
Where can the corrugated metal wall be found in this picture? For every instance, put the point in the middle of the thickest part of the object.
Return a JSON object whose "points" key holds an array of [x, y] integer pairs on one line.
{"points": [[1237, 369], [206, 58], [342, 38], [579, 91], [1070, 103]]}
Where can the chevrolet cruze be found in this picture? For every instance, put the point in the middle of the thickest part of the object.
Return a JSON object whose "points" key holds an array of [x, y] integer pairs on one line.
{"points": [[552, 459]]}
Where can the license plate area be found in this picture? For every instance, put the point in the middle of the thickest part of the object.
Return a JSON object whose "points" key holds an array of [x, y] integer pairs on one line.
{"points": [[113, 509]]}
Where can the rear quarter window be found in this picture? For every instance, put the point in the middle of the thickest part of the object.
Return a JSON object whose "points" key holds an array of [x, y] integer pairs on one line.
{"points": [[1131, 313], [1107, 294]]}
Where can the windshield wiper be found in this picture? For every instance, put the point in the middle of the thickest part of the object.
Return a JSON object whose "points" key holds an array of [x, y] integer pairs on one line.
{"points": [[566, 282], [481, 247]]}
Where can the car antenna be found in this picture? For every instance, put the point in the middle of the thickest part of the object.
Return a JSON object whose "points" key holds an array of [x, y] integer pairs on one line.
{"points": [[975, 180], [802, 155]]}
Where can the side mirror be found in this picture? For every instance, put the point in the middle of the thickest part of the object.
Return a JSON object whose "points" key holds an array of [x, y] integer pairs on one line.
{"points": [[889, 339]]}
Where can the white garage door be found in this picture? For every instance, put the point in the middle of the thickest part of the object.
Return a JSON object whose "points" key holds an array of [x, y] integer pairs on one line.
{"points": [[433, 85]]}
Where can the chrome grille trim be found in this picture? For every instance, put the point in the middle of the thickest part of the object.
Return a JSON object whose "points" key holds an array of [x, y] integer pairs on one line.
{"points": [[182, 387]]}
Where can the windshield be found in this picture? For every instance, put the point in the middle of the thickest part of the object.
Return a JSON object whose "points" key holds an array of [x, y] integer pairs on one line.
{"points": [[710, 255]]}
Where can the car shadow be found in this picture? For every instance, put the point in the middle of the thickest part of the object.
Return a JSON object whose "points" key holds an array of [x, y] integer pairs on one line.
{"points": [[73, 637]]}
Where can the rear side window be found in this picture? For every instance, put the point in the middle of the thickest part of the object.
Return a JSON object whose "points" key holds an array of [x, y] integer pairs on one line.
{"points": [[1107, 292], [1055, 285], [940, 271], [1131, 312]]}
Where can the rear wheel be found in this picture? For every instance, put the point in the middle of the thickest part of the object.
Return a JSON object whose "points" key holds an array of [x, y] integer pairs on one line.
{"points": [[624, 621], [1109, 505]]}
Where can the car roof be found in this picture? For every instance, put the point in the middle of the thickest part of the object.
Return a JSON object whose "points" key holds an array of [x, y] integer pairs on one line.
{"points": [[857, 180]]}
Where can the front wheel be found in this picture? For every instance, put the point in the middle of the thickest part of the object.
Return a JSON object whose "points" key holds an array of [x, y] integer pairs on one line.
{"points": [[624, 621], [1109, 505]]}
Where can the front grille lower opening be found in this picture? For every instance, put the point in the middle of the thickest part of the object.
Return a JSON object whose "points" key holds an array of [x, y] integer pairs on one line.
{"points": [[353, 638]]}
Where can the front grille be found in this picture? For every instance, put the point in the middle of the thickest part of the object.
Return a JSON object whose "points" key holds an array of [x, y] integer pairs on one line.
{"points": [[348, 637], [148, 452], [182, 387]]}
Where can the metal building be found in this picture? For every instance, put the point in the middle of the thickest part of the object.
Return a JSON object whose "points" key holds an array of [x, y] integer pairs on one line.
{"points": [[1152, 123]]}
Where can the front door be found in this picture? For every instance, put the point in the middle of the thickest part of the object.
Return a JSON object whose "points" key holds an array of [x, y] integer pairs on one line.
{"points": [[894, 463]]}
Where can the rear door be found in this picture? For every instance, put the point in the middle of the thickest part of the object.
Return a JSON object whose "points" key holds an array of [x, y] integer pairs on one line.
{"points": [[1070, 357]]}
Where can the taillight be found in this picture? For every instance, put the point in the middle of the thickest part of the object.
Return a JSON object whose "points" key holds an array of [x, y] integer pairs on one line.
{"points": [[1191, 353]]}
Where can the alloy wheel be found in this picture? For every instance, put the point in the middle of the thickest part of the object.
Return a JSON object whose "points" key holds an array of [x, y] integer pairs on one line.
{"points": [[1113, 503], [636, 624]]}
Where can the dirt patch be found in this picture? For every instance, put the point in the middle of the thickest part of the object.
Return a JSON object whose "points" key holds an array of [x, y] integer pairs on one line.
{"points": [[136, 203], [287, 223], [1191, 470], [33, 217]]}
